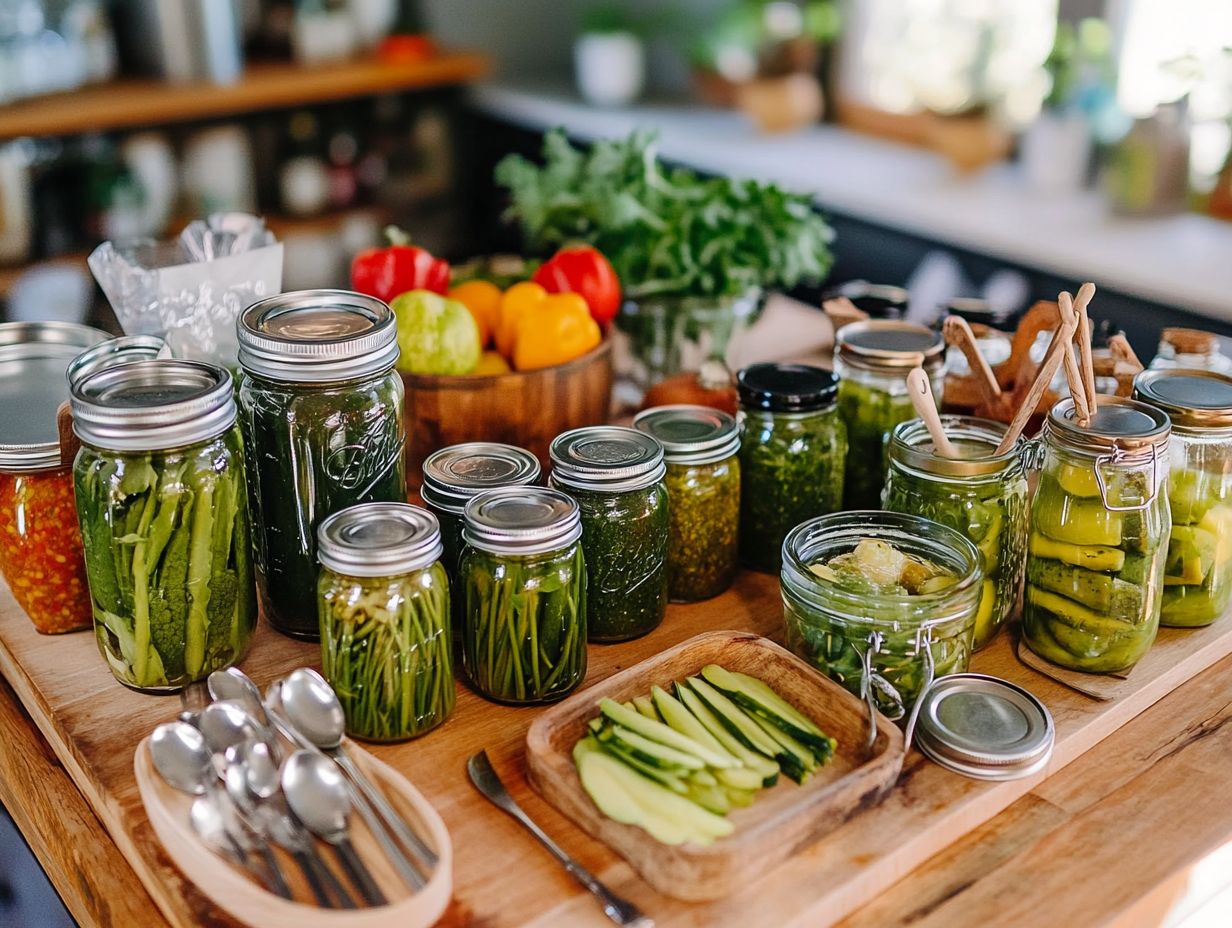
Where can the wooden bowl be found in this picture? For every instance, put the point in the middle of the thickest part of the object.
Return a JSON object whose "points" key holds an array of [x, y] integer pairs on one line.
{"points": [[523, 408]]}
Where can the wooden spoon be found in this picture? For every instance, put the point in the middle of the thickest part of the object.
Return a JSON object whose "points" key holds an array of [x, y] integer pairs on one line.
{"points": [[957, 332], [1085, 293], [921, 392], [1120, 348], [1058, 348]]}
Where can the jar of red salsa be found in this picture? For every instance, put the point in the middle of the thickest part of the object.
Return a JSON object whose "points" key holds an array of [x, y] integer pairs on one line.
{"points": [[40, 542]]}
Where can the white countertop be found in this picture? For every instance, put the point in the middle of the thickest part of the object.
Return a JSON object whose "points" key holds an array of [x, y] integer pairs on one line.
{"points": [[1182, 261]]}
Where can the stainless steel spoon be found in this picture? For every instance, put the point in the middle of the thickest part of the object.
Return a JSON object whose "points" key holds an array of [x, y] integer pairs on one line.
{"points": [[225, 724], [319, 797], [207, 821]]}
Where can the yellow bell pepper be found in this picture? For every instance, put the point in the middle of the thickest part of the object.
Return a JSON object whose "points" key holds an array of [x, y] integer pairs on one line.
{"points": [[557, 330], [516, 301]]}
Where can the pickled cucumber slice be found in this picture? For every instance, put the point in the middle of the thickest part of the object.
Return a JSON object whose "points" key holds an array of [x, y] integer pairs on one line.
{"points": [[1078, 481], [1092, 557], [985, 614], [1191, 493], [1191, 555], [1075, 520], [1080, 617], [1098, 591]]}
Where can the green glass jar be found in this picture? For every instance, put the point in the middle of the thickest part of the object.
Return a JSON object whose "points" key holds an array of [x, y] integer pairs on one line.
{"points": [[872, 360], [980, 495], [616, 476], [163, 510], [700, 447], [793, 453], [1198, 568], [1099, 537], [321, 409], [884, 645], [524, 592], [385, 630]]}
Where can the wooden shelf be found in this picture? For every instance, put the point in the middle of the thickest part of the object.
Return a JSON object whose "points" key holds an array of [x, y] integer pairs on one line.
{"points": [[131, 103]]}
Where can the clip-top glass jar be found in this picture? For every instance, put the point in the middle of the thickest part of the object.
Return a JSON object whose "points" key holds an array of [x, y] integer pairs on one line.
{"points": [[321, 408], [978, 494], [163, 509], [616, 476], [700, 447], [384, 604], [792, 455], [524, 585], [1198, 568], [872, 360], [881, 602], [1099, 537]]}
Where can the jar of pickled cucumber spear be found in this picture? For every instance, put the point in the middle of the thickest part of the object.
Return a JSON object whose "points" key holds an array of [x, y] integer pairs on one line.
{"points": [[385, 629], [872, 360], [524, 588], [980, 494], [1198, 568], [1099, 536]]}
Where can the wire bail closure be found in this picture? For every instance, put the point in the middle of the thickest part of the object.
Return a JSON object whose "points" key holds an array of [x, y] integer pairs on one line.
{"points": [[1119, 456]]}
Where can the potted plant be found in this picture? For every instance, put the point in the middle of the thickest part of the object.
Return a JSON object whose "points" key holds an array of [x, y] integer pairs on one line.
{"points": [[608, 59]]}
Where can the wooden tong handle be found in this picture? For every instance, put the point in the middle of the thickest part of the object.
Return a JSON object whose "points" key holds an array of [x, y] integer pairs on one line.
{"points": [[1085, 294], [958, 333], [1058, 348], [1073, 368]]}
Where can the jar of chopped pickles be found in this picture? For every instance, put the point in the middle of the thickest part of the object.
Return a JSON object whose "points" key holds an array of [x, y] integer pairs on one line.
{"points": [[616, 476], [322, 410], [384, 606], [1099, 537], [981, 495], [524, 587], [881, 602], [700, 447], [792, 455], [872, 360], [163, 510], [1198, 567]]}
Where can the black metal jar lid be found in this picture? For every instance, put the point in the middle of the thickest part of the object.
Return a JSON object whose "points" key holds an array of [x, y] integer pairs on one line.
{"points": [[690, 434], [379, 540], [786, 387], [153, 405], [454, 474], [1193, 399], [115, 351], [607, 458], [881, 301], [890, 347], [522, 521], [317, 336]]}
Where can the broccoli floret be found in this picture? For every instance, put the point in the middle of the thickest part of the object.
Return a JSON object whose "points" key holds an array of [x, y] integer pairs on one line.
{"points": [[220, 613], [169, 606]]}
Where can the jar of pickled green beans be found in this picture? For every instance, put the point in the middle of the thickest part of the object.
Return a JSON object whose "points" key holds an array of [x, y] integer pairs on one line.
{"points": [[524, 595], [384, 607]]}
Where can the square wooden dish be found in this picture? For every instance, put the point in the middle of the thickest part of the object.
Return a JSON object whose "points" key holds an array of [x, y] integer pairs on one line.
{"points": [[780, 822]]}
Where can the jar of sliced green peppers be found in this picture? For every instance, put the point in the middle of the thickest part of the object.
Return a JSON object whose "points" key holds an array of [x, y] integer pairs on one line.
{"points": [[979, 494], [384, 608], [524, 589], [1198, 568], [1099, 537], [792, 455], [700, 447], [872, 360]]}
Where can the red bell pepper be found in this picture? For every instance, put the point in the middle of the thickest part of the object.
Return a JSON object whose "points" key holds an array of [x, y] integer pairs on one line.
{"points": [[387, 272], [583, 270]]}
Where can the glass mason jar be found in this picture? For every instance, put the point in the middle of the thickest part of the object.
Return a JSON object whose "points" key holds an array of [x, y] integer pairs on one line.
{"points": [[1099, 537], [385, 628], [872, 360], [321, 409], [524, 587], [793, 452], [1198, 568], [616, 476], [163, 509], [982, 496], [884, 648], [700, 447]]}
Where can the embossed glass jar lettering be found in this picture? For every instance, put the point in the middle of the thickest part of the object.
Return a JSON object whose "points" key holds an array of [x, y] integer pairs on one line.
{"points": [[322, 417]]}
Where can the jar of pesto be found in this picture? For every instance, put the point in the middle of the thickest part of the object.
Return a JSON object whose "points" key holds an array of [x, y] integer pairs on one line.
{"points": [[792, 454], [872, 360], [616, 476], [524, 592], [700, 447]]}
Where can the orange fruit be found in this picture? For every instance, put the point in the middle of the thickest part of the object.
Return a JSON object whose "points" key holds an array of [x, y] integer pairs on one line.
{"points": [[483, 299]]}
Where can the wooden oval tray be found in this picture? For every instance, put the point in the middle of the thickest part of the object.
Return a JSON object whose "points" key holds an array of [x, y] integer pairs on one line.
{"points": [[780, 822], [235, 893]]}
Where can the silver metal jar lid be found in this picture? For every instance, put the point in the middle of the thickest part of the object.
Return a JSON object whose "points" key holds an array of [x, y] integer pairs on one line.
{"points": [[1193, 399], [379, 540], [912, 446], [606, 457], [522, 520], [153, 405], [890, 346], [318, 336], [984, 727], [452, 475], [1119, 425], [33, 359], [690, 434], [115, 351]]}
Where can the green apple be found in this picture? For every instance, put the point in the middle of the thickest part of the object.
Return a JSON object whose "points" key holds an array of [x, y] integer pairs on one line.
{"points": [[435, 335]]}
